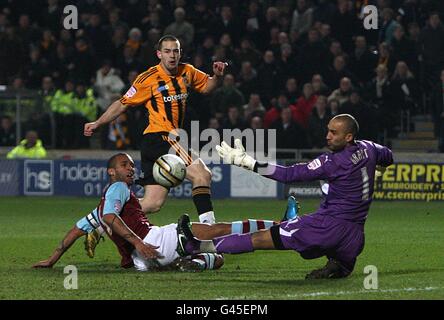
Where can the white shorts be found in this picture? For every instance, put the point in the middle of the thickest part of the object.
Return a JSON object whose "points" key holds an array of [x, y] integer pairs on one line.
{"points": [[165, 238]]}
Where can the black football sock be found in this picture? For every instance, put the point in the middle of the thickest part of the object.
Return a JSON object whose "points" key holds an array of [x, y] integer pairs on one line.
{"points": [[204, 206]]}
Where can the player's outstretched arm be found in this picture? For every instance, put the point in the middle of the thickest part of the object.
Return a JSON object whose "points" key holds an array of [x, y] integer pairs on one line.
{"points": [[213, 82], [66, 243], [117, 225], [113, 111]]}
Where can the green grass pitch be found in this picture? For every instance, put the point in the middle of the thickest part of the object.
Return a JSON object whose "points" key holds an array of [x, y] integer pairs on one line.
{"points": [[404, 240]]}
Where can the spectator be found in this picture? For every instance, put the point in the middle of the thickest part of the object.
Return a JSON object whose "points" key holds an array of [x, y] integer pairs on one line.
{"points": [[364, 114], [226, 23], [387, 29], [286, 62], [385, 57], [404, 49], [342, 94], [134, 40], [227, 44], [247, 80], [247, 52], [62, 106], [129, 62], [85, 107], [269, 77], [118, 134], [98, 38], [181, 29], [36, 69], [438, 111], [234, 119], [254, 107], [404, 88], [7, 132], [50, 16], [304, 106], [334, 50], [362, 61], [317, 123], [312, 57], [333, 107], [83, 62], [319, 87], [29, 148], [225, 96], [12, 53], [291, 90], [214, 123], [343, 24], [273, 114], [271, 21], [148, 49], [378, 92], [201, 18], [325, 33], [108, 85], [290, 134], [432, 49], [302, 19], [61, 64], [256, 123], [339, 71]]}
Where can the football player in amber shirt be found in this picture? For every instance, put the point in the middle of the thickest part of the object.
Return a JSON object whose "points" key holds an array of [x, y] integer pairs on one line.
{"points": [[164, 89]]}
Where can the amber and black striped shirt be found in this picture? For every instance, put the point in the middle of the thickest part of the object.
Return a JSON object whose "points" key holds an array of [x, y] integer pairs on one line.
{"points": [[165, 96]]}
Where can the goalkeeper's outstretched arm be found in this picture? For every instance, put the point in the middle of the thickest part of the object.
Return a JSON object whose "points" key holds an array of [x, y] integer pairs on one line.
{"points": [[298, 172]]}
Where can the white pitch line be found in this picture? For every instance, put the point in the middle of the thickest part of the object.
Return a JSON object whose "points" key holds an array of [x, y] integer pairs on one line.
{"points": [[337, 293]]}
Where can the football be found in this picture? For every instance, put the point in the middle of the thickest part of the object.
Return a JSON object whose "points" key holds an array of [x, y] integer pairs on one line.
{"points": [[169, 170]]}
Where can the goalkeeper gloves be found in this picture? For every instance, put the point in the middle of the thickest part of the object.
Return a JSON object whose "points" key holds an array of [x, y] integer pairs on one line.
{"points": [[236, 155]]}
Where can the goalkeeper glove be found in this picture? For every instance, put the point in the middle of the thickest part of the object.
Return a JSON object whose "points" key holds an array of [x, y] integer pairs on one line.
{"points": [[236, 155]]}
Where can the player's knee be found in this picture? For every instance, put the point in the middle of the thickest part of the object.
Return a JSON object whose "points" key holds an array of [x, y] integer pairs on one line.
{"points": [[198, 173], [150, 205]]}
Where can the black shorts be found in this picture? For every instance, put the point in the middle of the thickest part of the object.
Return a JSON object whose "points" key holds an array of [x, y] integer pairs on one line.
{"points": [[152, 147]]}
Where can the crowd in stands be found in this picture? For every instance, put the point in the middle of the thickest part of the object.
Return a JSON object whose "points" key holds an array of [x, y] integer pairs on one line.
{"points": [[293, 64]]}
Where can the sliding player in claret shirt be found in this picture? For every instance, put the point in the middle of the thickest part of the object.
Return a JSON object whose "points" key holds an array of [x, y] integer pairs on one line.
{"points": [[140, 244], [336, 229], [164, 89]]}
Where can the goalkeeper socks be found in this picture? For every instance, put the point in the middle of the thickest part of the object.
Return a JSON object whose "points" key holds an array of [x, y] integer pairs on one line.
{"points": [[234, 243], [202, 201], [251, 225]]}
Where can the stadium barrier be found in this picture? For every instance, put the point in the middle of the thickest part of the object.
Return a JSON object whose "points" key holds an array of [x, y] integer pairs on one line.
{"points": [[405, 180], [88, 178]]}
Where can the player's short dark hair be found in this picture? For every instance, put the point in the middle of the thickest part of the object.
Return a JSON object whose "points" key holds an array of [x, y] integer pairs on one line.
{"points": [[112, 161], [167, 37], [351, 125]]}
